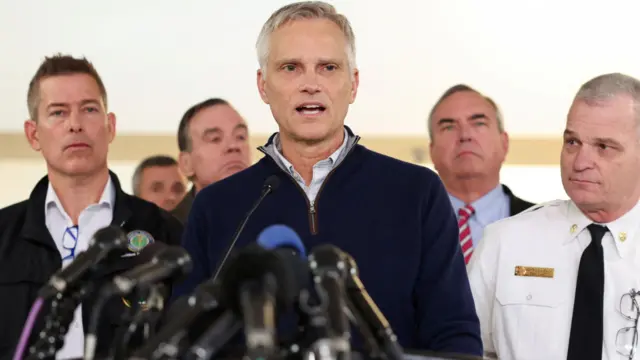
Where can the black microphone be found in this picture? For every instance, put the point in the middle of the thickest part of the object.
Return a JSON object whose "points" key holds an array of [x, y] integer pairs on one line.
{"points": [[190, 308], [270, 185], [104, 242], [185, 320], [158, 263], [256, 284], [368, 311], [279, 256], [219, 305], [329, 267], [169, 264]]}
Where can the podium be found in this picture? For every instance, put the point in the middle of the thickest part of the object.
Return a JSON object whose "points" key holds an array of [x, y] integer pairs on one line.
{"points": [[409, 355], [430, 355]]}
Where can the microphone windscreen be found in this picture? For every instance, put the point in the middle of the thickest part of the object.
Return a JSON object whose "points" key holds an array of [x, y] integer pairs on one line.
{"points": [[178, 258], [110, 236], [281, 236], [272, 182], [252, 263], [150, 251]]}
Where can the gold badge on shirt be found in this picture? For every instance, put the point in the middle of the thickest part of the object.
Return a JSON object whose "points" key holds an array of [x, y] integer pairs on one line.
{"points": [[532, 271]]}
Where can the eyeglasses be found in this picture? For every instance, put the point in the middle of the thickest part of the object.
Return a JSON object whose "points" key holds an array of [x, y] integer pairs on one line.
{"points": [[70, 241], [627, 337]]}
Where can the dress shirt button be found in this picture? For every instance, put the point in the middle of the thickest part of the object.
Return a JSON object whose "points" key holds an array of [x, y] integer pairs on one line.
{"points": [[529, 297]]}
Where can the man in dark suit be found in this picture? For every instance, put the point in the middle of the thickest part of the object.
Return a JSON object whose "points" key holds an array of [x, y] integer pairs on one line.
{"points": [[214, 143], [468, 147]]}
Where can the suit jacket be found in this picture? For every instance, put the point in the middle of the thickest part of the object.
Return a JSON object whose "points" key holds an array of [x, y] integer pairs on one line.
{"points": [[181, 211], [516, 205], [29, 256]]}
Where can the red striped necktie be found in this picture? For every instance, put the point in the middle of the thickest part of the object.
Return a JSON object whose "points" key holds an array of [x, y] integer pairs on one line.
{"points": [[465, 231]]}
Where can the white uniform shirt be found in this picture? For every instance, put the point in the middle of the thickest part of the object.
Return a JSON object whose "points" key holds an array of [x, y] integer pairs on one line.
{"points": [[529, 317], [92, 219]]}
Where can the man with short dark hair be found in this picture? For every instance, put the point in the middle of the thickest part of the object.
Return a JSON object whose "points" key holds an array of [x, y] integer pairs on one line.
{"points": [[72, 128], [468, 146], [214, 143], [157, 179]]}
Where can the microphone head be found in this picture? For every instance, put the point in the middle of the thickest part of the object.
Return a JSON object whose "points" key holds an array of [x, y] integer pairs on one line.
{"points": [[328, 256], [253, 263], [352, 267], [157, 264], [109, 237], [151, 251], [175, 256], [271, 183], [281, 236]]}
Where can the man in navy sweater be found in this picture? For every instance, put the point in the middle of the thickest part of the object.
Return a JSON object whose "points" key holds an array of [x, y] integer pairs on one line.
{"points": [[394, 218]]}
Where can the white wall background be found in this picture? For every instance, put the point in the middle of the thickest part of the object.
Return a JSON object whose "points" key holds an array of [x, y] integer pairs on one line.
{"points": [[536, 184], [157, 57]]}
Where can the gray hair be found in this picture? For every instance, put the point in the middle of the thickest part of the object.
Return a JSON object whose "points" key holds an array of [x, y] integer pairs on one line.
{"points": [[304, 10], [152, 161], [605, 87], [463, 88]]}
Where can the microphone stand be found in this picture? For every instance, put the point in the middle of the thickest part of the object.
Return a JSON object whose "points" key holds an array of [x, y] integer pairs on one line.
{"points": [[268, 189], [145, 320], [370, 345], [321, 347], [176, 331], [381, 344], [57, 322], [215, 338]]}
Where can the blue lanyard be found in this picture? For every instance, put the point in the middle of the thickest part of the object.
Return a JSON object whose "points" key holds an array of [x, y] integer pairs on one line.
{"points": [[70, 241]]}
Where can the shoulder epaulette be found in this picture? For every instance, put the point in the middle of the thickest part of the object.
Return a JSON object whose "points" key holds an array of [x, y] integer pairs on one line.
{"points": [[544, 204]]}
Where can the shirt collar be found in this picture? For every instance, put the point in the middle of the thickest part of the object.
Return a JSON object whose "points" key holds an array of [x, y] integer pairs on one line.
{"points": [[108, 196], [482, 206], [623, 229], [333, 158]]}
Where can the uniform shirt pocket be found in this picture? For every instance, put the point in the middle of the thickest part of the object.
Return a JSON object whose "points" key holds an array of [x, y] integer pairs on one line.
{"points": [[531, 317]]}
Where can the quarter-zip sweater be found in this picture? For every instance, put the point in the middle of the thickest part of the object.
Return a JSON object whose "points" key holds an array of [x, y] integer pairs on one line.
{"points": [[393, 217]]}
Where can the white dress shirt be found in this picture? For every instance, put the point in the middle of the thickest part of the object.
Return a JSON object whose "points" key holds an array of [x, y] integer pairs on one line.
{"points": [[320, 170], [91, 219], [529, 317]]}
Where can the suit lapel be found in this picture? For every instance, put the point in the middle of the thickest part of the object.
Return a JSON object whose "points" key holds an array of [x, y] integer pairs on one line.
{"points": [[516, 205]]}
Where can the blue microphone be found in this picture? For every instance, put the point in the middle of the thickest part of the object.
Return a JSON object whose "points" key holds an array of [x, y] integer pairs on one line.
{"points": [[260, 281], [279, 236]]}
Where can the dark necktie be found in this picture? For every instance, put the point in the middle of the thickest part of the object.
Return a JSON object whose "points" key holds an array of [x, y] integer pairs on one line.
{"points": [[585, 342]]}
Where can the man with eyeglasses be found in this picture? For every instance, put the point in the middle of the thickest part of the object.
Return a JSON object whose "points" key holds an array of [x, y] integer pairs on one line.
{"points": [[557, 281], [70, 125]]}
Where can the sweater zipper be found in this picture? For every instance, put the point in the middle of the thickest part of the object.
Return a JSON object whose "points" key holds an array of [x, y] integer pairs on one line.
{"points": [[313, 214]]}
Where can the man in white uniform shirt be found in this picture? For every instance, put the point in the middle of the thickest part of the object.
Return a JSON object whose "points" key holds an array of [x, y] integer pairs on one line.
{"points": [[558, 281], [72, 128]]}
